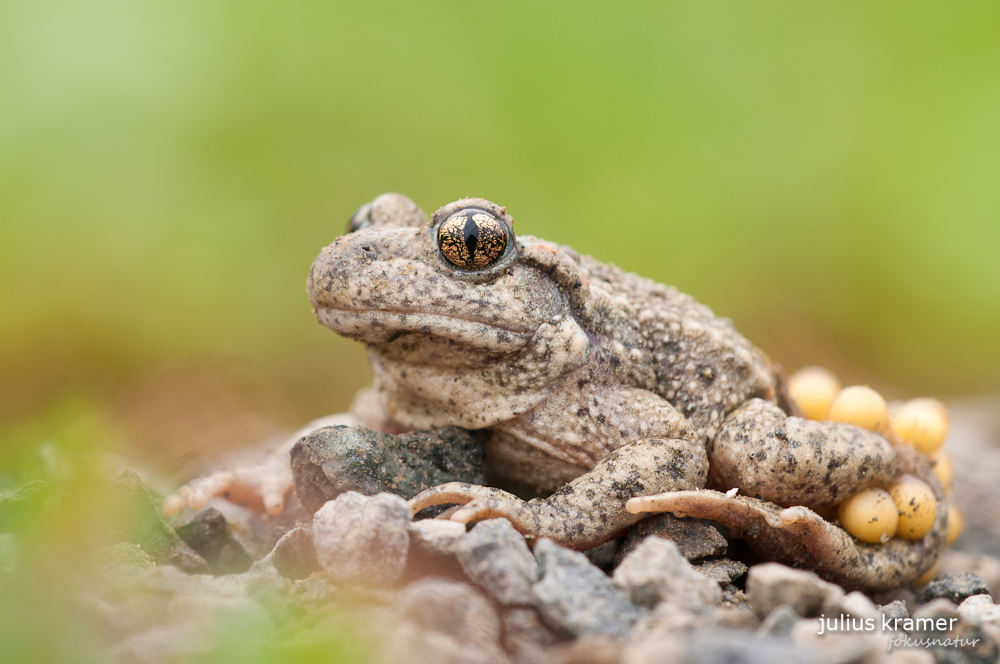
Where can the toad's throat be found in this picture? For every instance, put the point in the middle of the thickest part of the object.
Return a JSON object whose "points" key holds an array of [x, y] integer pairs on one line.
{"points": [[376, 326]]}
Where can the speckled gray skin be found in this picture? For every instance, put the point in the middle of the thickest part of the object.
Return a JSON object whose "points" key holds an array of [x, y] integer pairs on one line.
{"points": [[800, 537], [564, 358], [792, 461], [594, 382]]}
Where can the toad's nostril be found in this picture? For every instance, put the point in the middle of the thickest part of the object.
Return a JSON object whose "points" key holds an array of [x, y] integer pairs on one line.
{"points": [[366, 248]]}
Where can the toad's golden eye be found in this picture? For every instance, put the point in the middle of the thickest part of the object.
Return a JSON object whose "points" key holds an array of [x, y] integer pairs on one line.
{"points": [[472, 239]]}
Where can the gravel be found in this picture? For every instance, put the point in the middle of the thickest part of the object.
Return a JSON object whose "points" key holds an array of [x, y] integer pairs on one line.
{"points": [[496, 558], [577, 598]]}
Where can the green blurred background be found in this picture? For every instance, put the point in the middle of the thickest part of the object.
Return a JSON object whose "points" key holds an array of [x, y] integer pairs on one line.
{"points": [[824, 174]]}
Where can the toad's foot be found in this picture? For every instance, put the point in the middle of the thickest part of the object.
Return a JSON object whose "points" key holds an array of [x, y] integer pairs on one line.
{"points": [[261, 487], [590, 510], [800, 537]]}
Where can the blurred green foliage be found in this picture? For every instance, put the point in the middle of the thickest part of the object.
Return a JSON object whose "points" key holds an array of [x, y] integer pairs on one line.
{"points": [[823, 173], [169, 170]]}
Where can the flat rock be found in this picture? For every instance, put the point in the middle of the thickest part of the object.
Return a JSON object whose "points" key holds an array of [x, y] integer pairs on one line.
{"points": [[771, 584], [439, 621], [721, 570], [333, 460], [362, 540], [146, 527], [655, 571], [694, 538], [576, 597], [496, 558], [954, 587]]}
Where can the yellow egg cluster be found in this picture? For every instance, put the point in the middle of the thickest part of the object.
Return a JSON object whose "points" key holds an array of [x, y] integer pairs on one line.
{"points": [[870, 515], [907, 508]]}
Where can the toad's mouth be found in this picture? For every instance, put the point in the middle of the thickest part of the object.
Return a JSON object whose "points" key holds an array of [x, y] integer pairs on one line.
{"points": [[375, 326]]}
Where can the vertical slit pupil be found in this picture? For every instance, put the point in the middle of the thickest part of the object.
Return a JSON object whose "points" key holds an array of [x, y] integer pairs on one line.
{"points": [[471, 237]]}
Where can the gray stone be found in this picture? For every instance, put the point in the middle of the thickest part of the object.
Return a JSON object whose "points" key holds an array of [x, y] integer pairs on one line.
{"points": [[438, 621], [696, 539], [721, 570], [954, 587], [145, 526], [857, 605], [576, 597], [936, 608], [656, 572], [526, 637], [780, 621], [496, 558], [771, 584], [294, 555], [332, 460], [208, 533], [895, 609], [362, 539], [980, 609]]}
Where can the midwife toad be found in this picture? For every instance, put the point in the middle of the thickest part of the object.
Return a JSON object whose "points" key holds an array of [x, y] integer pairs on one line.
{"points": [[597, 384]]}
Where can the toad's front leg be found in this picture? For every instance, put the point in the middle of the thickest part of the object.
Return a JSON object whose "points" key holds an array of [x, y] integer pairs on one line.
{"points": [[590, 510], [633, 442]]}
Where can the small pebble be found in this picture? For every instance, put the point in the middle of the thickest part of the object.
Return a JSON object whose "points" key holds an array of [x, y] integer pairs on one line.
{"points": [[656, 572], [771, 584], [363, 539], [955, 587], [496, 558], [721, 570], [577, 598]]}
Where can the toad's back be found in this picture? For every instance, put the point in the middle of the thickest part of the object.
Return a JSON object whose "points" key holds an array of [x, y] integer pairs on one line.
{"points": [[694, 359]]}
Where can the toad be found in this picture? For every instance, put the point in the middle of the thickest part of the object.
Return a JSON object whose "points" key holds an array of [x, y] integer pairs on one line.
{"points": [[598, 386]]}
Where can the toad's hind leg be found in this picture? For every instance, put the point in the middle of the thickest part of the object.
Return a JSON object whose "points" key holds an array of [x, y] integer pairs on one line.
{"points": [[589, 510], [800, 537]]}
